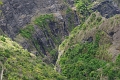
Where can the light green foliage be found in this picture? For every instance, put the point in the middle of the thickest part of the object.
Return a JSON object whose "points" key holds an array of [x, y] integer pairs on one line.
{"points": [[1, 3], [83, 6], [27, 31], [19, 64]]}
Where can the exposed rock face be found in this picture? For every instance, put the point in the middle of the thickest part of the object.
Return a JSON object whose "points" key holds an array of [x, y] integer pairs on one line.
{"points": [[71, 2], [48, 38], [107, 9], [18, 13]]}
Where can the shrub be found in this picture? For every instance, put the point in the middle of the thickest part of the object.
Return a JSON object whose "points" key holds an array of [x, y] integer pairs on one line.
{"points": [[42, 21], [99, 19], [1, 3], [3, 39]]}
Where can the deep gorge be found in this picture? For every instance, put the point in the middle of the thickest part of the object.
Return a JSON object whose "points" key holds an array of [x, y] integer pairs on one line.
{"points": [[78, 38]]}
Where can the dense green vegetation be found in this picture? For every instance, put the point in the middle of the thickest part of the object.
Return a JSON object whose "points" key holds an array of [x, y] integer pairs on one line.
{"points": [[18, 64], [81, 61]]}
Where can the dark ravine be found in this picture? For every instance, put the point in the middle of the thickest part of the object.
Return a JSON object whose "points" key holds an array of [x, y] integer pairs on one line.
{"points": [[107, 9]]}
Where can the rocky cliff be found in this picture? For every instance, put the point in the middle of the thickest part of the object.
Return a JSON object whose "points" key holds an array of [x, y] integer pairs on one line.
{"points": [[16, 15], [107, 8]]}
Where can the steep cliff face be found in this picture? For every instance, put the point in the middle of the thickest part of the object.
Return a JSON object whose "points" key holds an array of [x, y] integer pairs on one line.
{"points": [[16, 15]]}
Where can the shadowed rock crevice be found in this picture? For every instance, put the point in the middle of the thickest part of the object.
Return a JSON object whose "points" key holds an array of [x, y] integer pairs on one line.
{"points": [[107, 9]]}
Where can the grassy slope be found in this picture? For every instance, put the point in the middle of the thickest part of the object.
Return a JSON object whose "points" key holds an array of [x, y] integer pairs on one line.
{"points": [[19, 64]]}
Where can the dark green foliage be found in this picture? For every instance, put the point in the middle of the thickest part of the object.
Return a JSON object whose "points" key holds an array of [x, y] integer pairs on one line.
{"points": [[53, 52], [54, 55], [70, 15], [93, 17], [118, 60], [99, 19], [68, 10], [3, 39], [43, 20], [79, 62], [27, 31], [37, 46]]}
